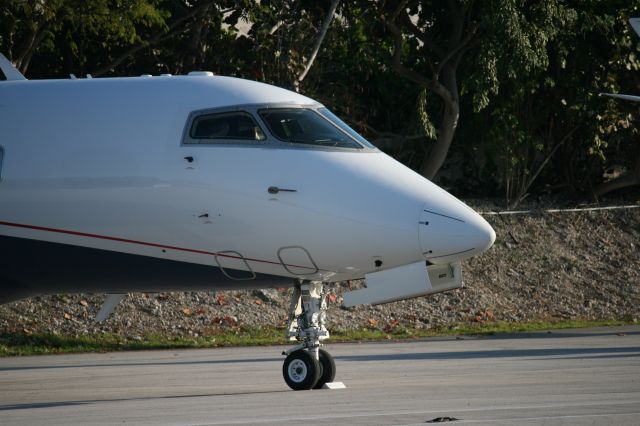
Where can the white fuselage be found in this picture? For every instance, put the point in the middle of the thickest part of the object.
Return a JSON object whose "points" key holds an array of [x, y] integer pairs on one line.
{"points": [[102, 164]]}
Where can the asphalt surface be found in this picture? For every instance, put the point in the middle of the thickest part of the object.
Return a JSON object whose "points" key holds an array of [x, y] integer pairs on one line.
{"points": [[572, 377]]}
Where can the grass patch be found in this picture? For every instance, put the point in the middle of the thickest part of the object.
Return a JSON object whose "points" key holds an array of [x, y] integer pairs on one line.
{"points": [[21, 344]]}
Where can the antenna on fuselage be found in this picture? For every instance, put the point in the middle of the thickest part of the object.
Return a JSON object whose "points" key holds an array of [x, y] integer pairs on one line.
{"points": [[9, 71]]}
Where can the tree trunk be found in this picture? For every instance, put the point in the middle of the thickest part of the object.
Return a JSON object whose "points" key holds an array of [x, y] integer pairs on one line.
{"points": [[442, 79], [316, 48], [22, 58], [26, 61], [434, 158], [448, 92]]}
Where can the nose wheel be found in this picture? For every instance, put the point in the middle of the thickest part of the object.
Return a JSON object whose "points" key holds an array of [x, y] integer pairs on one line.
{"points": [[301, 371], [307, 366]]}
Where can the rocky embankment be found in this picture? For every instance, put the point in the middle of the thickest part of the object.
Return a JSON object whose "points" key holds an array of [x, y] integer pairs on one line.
{"points": [[543, 266]]}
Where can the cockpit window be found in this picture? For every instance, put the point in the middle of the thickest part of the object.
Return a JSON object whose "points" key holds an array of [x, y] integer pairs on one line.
{"points": [[236, 125], [344, 126], [306, 126]]}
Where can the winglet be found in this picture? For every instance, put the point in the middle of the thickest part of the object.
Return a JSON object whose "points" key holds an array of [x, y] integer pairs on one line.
{"points": [[635, 24], [9, 71]]}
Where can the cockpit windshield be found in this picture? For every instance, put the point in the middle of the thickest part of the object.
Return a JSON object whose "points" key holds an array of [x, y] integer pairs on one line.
{"points": [[344, 126], [311, 127]]}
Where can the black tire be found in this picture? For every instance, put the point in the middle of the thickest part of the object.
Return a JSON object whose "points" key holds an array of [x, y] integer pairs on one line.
{"points": [[328, 368], [300, 370]]}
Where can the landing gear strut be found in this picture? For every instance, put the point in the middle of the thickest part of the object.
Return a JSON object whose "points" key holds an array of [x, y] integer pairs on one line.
{"points": [[307, 366]]}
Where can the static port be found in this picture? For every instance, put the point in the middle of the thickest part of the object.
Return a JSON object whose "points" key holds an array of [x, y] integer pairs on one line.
{"points": [[378, 263]]}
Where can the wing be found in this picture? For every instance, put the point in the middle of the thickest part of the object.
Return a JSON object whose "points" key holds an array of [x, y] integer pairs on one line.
{"points": [[635, 24], [9, 71], [620, 96]]}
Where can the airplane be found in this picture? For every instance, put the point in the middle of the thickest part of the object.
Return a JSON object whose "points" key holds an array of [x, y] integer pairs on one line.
{"points": [[635, 25], [206, 182]]}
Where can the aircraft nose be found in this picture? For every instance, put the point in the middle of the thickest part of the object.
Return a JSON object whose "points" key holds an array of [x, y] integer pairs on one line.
{"points": [[452, 231]]}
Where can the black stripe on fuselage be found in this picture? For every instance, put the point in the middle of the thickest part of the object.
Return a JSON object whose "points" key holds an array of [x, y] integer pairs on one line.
{"points": [[33, 267]]}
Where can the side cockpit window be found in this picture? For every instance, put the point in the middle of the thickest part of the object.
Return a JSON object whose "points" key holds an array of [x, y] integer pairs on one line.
{"points": [[229, 127]]}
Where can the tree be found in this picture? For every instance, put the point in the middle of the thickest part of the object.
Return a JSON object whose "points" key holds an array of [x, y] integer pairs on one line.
{"points": [[288, 36], [506, 91], [514, 92], [317, 45], [544, 66], [435, 36], [75, 30]]}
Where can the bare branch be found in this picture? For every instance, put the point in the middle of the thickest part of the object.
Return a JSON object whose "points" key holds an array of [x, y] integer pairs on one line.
{"points": [[420, 35], [172, 30], [323, 32], [473, 43], [26, 59], [457, 24], [397, 57], [379, 134], [431, 84], [533, 177], [29, 45], [456, 52], [190, 55], [401, 7]]}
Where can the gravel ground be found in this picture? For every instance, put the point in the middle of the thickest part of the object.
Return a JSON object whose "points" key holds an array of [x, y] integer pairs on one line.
{"points": [[543, 266]]}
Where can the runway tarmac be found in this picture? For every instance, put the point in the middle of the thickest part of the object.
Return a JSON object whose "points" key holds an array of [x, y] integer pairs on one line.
{"points": [[571, 377]]}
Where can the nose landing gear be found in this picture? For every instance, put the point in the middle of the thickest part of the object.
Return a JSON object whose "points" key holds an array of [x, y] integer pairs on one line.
{"points": [[301, 370], [307, 366]]}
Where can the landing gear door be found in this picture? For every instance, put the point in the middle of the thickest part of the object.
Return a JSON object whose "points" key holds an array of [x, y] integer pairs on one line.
{"points": [[445, 277], [404, 282]]}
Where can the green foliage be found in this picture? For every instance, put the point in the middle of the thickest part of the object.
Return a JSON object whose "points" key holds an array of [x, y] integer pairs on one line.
{"points": [[528, 82], [534, 90], [20, 344], [74, 32], [428, 127]]}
